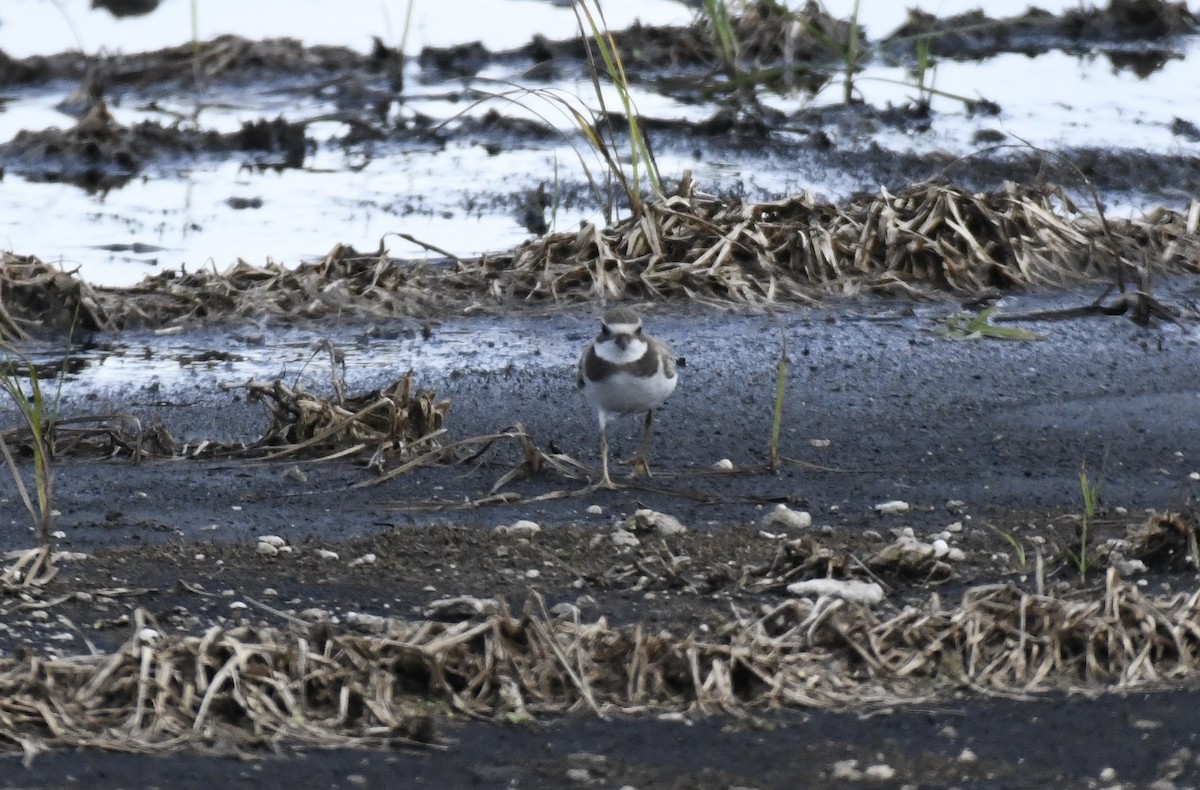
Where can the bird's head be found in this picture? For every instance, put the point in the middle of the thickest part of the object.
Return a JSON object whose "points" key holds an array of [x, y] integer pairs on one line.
{"points": [[622, 328]]}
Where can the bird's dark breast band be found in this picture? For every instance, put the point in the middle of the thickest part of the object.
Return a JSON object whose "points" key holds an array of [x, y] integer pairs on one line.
{"points": [[599, 369]]}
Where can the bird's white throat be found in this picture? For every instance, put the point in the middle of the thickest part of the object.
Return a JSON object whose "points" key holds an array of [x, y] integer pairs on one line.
{"points": [[609, 351]]}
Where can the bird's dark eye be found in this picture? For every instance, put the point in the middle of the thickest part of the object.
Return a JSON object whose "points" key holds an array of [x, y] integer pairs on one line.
{"points": [[639, 331], [604, 330]]}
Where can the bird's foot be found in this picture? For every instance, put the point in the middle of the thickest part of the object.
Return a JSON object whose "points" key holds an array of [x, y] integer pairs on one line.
{"points": [[640, 467], [604, 483]]}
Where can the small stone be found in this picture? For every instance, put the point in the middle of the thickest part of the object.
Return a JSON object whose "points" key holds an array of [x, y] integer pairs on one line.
{"points": [[272, 540], [296, 473], [270, 592], [149, 636], [1194, 476], [326, 554], [893, 507], [819, 442], [238, 605], [1130, 567], [524, 528], [948, 732], [625, 538], [661, 523], [595, 510], [955, 527], [880, 773], [1108, 774], [367, 559], [956, 554], [940, 548], [724, 464], [533, 573], [368, 622], [967, 756], [783, 517], [846, 769], [58, 534], [579, 775], [267, 549]]}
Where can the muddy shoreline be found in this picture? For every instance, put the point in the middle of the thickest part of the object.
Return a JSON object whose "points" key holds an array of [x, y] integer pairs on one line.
{"points": [[990, 433]]}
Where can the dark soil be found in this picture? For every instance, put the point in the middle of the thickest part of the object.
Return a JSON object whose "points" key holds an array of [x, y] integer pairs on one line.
{"points": [[988, 433]]}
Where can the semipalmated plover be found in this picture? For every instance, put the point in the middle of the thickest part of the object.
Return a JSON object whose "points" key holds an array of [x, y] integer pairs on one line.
{"points": [[624, 371]]}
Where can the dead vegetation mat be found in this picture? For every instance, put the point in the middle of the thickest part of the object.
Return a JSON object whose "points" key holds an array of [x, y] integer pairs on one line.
{"points": [[921, 240], [382, 681]]}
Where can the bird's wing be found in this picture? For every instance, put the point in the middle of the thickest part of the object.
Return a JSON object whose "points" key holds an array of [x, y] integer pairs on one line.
{"points": [[668, 361], [582, 361]]}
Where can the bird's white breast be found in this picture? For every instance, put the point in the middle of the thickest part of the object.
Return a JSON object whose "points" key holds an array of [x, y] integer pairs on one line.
{"points": [[624, 393]]}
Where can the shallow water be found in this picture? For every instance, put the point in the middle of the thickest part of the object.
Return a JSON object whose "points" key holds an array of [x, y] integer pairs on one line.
{"points": [[461, 198]]}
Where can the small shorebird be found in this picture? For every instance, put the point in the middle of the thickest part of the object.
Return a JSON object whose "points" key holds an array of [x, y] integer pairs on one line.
{"points": [[624, 371]]}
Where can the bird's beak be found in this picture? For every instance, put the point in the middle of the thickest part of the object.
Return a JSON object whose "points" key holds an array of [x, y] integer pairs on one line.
{"points": [[622, 341]]}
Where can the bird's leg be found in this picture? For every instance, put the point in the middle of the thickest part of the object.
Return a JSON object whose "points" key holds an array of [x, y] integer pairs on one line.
{"points": [[640, 467], [605, 480]]}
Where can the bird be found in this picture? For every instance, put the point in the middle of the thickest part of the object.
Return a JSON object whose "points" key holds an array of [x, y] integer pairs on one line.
{"points": [[625, 371]]}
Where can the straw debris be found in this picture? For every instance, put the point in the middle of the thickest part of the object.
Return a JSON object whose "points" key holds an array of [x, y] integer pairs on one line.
{"points": [[250, 687], [394, 421], [920, 240]]}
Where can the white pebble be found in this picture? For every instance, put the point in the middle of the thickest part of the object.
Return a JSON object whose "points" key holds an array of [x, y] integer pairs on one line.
{"points": [[955, 527], [893, 507], [967, 756], [533, 573], [366, 559], [326, 554], [724, 464], [268, 550], [1194, 476], [661, 523], [940, 548], [595, 510], [273, 540], [880, 773], [623, 537], [524, 527], [847, 589], [783, 517]]}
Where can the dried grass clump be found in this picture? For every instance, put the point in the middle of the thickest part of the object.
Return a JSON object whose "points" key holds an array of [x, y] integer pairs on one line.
{"points": [[37, 298], [344, 283], [930, 237], [393, 421], [248, 687], [768, 33], [923, 239]]}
